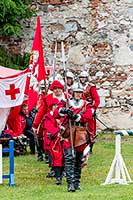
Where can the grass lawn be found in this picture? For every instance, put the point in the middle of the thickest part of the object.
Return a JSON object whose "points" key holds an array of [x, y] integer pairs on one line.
{"points": [[32, 184]]}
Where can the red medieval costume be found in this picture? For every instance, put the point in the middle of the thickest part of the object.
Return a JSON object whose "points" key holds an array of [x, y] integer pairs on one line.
{"points": [[93, 99], [51, 134], [45, 108], [79, 112], [53, 144]]}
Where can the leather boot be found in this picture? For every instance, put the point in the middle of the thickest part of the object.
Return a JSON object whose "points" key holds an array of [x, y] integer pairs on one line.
{"points": [[58, 175], [58, 180], [46, 157], [71, 187], [69, 169], [77, 170], [39, 147], [77, 186]]}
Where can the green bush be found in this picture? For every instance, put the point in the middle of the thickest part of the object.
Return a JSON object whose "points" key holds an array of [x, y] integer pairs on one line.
{"points": [[11, 14], [13, 61]]}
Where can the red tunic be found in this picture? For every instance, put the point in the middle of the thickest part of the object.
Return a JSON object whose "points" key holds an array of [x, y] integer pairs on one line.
{"points": [[53, 146], [93, 98], [86, 115], [11, 121], [44, 108], [19, 125]]}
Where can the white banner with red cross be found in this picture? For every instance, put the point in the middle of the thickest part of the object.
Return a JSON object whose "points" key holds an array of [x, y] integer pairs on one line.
{"points": [[12, 90]]}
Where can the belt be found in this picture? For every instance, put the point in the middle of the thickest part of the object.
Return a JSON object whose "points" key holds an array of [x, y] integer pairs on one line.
{"points": [[78, 124]]}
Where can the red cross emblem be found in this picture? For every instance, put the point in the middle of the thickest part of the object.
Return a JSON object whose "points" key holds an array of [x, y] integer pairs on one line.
{"points": [[12, 91]]}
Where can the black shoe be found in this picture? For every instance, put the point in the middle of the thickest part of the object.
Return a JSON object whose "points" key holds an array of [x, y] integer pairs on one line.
{"points": [[58, 181], [40, 158], [50, 174], [77, 186], [71, 187]]}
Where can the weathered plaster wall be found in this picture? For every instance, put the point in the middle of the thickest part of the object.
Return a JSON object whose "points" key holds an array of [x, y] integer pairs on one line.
{"points": [[98, 37]]}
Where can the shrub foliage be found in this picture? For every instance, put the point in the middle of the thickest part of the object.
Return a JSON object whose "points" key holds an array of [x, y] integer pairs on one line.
{"points": [[12, 12], [13, 61]]}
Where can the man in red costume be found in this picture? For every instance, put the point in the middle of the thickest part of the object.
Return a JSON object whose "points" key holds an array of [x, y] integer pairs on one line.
{"points": [[23, 125], [75, 119], [92, 97], [39, 135], [57, 93], [52, 134]]}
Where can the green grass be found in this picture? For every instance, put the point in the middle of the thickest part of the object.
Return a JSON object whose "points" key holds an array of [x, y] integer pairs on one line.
{"points": [[32, 184]]}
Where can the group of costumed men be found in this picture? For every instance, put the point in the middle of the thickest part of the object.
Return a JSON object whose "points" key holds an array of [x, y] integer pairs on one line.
{"points": [[65, 124]]}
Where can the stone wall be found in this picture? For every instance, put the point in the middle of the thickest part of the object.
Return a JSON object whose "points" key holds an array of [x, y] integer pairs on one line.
{"points": [[98, 37]]}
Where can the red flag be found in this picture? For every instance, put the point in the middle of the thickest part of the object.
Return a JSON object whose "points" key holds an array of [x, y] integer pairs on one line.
{"points": [[37, 58], [36, 66]]}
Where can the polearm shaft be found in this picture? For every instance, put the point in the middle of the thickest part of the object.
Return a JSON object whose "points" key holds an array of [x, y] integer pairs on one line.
{"points": [[64, 68], [108, 128], [66, 90], [54, 62]]}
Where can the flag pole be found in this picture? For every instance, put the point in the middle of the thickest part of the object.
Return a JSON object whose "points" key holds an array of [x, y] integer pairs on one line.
{"points": [[54, 61], [66, 90]]}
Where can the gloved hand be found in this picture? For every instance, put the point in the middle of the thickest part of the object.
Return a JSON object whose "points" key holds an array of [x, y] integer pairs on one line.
{"points": [[67, 111], [50, 136], [70, 114], [63, 110], [76, 117]]}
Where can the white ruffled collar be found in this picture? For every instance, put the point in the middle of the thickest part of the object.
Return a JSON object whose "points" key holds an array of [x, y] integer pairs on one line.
{"points": [[76, 104], [62, 97]]}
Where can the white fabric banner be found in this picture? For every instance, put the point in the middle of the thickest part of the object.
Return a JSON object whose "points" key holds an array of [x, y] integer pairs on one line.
{"points": [[12, 91]]}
